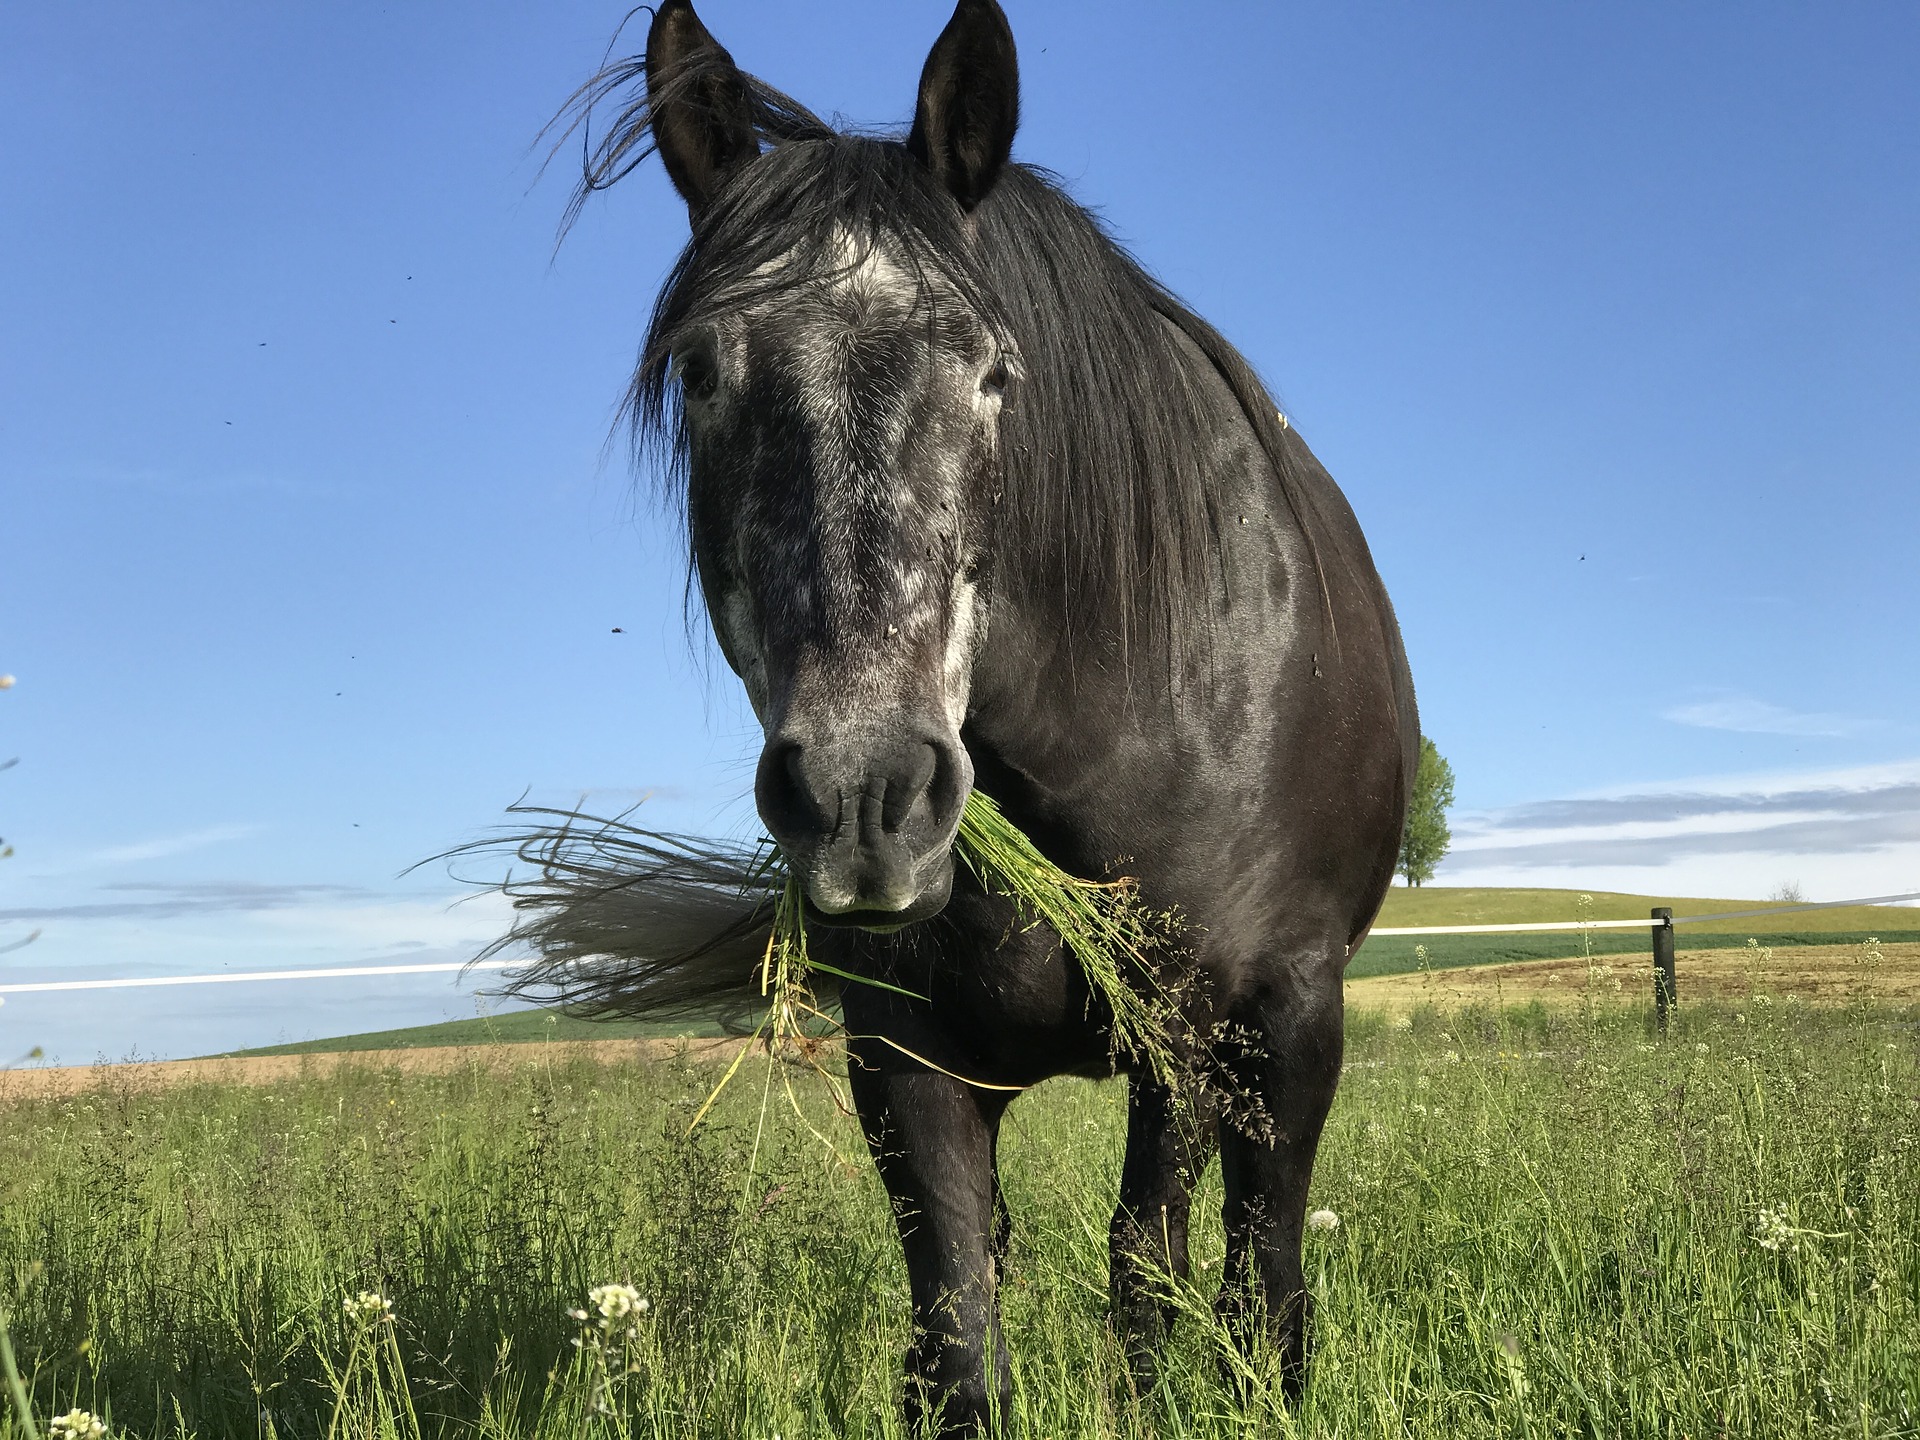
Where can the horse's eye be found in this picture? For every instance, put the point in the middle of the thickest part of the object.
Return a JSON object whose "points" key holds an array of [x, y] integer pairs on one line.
{"points": [[994, 382], [698, 375]]}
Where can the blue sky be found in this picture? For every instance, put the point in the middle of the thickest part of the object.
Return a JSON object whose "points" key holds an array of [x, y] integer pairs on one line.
{"points": [[312, 547]]}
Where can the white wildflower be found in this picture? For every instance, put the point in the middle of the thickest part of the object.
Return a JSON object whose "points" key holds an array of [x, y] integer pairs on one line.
{"points": [[1323, 1220], [75, 1424], [1701, 1048], [616, 1302], [610, 1337], [369, 1307], [1772, 1230], [1516, 1370]]}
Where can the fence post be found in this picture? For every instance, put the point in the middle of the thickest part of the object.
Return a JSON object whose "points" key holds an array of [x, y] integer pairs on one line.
{"points": [[1665, 984]]}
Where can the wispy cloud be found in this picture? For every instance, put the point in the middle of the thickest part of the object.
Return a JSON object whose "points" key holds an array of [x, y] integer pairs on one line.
{"points": [[164, 846], [1836, 813], [1748, 716], [137, 929], [164, 902]]}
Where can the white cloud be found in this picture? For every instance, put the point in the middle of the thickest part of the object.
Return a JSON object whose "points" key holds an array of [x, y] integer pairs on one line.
{"points": [[213, 925], [1749, 716], [163, 846], [1838, 833], [210, 926]]}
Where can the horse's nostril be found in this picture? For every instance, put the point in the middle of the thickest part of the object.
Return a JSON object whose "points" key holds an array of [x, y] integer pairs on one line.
{"points": [[914, 772], [862, 811], [787, 801]]}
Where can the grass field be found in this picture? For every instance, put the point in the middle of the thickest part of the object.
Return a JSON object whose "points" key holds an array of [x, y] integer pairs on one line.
{"points": [[1551, 1223], [1809, 974]]}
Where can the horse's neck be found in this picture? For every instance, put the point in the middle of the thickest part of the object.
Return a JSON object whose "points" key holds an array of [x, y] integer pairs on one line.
{"points": [[1064, 711], [1070, 709]]}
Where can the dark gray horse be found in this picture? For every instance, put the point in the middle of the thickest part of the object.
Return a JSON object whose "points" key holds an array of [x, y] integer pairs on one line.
{"points": [[974, 501]]}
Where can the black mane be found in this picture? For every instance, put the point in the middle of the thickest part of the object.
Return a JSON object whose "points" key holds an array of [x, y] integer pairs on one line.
{"points": [[1107, 448]]}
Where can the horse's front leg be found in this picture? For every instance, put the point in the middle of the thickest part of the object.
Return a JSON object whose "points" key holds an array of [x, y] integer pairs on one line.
{"points": [[932, 1139], [1287, 1068], [1169, 1140]]}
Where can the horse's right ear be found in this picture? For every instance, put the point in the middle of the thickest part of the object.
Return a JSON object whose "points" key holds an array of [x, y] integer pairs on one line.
{"points": [[969, 102], [701, 112]]}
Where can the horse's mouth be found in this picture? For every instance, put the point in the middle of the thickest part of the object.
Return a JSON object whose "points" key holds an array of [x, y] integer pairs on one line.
{"points": [[929, 903]]}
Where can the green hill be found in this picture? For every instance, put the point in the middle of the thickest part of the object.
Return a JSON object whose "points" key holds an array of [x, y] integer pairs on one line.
{"points": [[1474, 905], [511, 1027]]}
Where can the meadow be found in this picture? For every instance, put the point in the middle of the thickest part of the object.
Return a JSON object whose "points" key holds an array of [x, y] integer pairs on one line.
{"points": [[1551, 1222]]}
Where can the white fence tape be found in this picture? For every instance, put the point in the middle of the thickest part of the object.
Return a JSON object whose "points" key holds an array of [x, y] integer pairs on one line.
{"points": [[334, 972], [1514, 929], [349, 972], [1803, 905], [1647, 924]]}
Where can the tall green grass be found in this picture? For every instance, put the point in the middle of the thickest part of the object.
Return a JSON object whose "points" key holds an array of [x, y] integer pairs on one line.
{"points": [[1548, 1225]]}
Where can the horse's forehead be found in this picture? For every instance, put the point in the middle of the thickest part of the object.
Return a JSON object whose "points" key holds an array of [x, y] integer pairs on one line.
{"points": [[861, 286]]}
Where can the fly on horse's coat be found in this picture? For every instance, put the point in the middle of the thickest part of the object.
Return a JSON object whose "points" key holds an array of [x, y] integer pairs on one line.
{"points": [[973, 501]]}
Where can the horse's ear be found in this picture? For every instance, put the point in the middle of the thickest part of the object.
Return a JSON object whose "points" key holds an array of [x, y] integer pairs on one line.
{"points": [[701, 113], [969, 103]]}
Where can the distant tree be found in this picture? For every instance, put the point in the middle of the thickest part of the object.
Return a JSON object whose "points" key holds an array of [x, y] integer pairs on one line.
{"points": [[1427, 838]]}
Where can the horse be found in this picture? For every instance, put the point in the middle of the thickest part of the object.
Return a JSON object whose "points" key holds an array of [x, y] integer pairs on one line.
{"points": [[971, 500]]}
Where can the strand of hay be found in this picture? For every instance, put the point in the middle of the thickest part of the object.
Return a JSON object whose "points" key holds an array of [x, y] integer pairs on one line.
{"points": [[1102, 923], [629, 922], [625, 921]]}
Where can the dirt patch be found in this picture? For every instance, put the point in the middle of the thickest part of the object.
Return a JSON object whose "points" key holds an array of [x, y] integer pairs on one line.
{"points": [[53, 1081], [1815, 974]]}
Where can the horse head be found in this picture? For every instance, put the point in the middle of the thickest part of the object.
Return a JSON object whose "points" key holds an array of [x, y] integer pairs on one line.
{"points": [[839, 393]]}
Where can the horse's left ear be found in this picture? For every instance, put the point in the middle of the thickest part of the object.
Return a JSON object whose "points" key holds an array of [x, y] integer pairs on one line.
{"points": [[701, 115], [969, 103]]}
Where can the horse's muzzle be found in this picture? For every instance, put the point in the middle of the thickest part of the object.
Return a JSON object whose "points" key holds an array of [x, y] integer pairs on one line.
{"points": [[866, 822]]}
